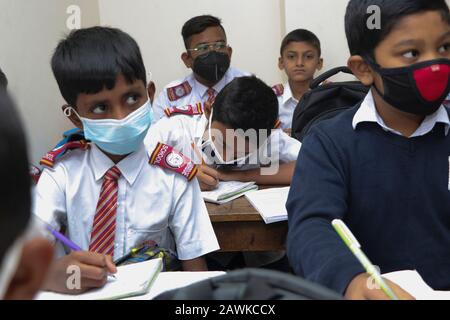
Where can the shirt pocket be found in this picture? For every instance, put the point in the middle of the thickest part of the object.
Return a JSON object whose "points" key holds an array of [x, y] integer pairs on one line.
{"points": [[156, 233]]}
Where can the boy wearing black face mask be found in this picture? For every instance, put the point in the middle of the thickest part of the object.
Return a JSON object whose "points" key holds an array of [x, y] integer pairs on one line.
{"points": [[209, 56], [383, 166]]}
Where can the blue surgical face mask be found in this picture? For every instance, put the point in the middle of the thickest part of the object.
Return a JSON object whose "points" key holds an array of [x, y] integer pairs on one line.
{"points": [[118, 137]]}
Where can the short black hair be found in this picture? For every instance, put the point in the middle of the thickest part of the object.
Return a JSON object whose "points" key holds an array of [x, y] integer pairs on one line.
{"points": [[246, 103], [362, 40], [3, 80], [301, 35], [89, 60], [197, 25], [15, 197]]}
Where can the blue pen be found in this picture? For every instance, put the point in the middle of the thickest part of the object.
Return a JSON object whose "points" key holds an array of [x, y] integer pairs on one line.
{"points": [[63, 239], [60, 237]]}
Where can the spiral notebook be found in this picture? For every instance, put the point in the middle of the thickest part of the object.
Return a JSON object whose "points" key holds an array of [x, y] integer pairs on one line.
{"points": [[131, 281]]}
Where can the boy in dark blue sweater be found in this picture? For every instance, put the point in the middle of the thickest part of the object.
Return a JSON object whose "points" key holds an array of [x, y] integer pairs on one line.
{"points": [[382, 166]]}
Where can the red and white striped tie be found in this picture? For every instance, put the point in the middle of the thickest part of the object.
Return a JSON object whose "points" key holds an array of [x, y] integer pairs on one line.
{"points": [[104, 225], [211, 95]]}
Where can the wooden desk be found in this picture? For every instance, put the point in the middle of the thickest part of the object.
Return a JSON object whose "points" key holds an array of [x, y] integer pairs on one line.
{"points": [[239, 227]]}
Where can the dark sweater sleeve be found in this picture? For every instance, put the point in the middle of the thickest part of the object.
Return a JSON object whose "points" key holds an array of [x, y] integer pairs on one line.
{"points": [[319, 194]]}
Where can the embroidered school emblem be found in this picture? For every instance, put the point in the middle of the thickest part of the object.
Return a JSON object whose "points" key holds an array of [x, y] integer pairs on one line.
{"points": [[179, 91], [186, 110], [167, 157]]}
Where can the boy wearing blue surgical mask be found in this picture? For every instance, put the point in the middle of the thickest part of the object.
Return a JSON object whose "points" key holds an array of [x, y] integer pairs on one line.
{"points": [[102, 189], [382, 166], [24, 259]]}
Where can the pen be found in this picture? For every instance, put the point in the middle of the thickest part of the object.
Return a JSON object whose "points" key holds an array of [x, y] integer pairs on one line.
{"points": [[349, 239], [64, 240]]}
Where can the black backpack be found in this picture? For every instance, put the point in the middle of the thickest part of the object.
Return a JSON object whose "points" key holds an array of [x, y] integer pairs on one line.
{"points": [[252, 284], [325, 101]]}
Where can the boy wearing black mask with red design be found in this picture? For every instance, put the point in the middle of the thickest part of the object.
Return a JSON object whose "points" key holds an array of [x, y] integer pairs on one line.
{"points": [[383, 166], [209, 56]]}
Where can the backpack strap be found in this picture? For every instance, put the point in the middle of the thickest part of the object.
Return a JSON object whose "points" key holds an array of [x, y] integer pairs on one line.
{"points": [[177, 92], [167, 157], [51, 157], [278, 89], [188, 110]]}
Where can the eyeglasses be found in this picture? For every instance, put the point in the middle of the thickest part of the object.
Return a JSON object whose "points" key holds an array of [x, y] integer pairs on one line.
{"points": [[207, 47]]}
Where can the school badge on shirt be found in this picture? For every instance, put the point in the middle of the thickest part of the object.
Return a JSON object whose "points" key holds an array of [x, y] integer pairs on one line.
{"points": [[167, 157], [186, 110]]}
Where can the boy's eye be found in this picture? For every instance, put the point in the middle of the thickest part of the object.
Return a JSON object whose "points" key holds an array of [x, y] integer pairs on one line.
{"points": [[411, 54], [291, 56], [99, 109], [132, 99], [444, 48]]}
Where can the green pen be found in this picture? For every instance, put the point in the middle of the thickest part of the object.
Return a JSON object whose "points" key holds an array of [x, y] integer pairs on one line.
{"points": [[349, 239]]}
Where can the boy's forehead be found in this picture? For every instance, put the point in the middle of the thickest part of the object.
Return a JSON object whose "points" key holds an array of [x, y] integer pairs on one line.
{"points": [[211, 34], [122, 86], [421, 26], [299, 47]]}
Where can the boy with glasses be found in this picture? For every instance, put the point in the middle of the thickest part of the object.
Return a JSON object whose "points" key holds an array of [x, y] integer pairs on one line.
{"points": [[209, 56]]}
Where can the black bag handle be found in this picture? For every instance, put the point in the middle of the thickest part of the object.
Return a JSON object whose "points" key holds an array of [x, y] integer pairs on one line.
{"points": [[326, 75]]}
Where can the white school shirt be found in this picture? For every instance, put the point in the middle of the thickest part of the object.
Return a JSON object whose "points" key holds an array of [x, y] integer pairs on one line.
{"points": [[180, 131], [153, 203], [197, 95], [286, 107], [367, 112]]}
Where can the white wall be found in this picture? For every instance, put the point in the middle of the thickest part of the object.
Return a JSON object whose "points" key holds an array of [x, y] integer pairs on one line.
{"points": [[29, 32], [253, 27]]}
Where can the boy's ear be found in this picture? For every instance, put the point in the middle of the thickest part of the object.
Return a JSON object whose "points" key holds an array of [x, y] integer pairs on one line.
{"points": [[320, 65], [37, 255], [361, 70], [230, 52], [151, 89], [187, 60], [281, 63], [207, 107], [73, 117]]}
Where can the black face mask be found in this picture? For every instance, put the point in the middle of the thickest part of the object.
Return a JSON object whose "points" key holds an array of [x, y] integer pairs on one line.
{"points": [[212, 66], [417, 89]]}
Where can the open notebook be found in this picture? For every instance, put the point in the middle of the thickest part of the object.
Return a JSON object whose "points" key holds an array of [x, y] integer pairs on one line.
{"points": [[131, 280], [412, 282], [270, 203], [228, 191]]}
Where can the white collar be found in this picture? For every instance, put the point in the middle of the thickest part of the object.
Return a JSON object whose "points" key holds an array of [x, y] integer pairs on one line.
{"points": [[368, 113], [130, 167], [287, 95]]}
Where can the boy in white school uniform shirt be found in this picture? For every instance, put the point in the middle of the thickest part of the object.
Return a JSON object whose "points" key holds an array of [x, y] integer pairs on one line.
{"points": [[209, 57], [300, 59], [246, 104], [106, 193]]}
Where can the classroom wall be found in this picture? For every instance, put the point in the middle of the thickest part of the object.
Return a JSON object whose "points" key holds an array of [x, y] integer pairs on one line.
{"points": [[254, 30], [29, 32]]}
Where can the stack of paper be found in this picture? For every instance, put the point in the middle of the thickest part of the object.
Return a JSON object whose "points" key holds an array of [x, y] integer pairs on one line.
{"points": [[412, 282], [228, 191], [270, 203], [131, 281]]}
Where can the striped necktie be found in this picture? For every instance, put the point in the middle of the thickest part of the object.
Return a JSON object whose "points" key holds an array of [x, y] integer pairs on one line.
{"points": [[211, 95], [104, 225]]}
